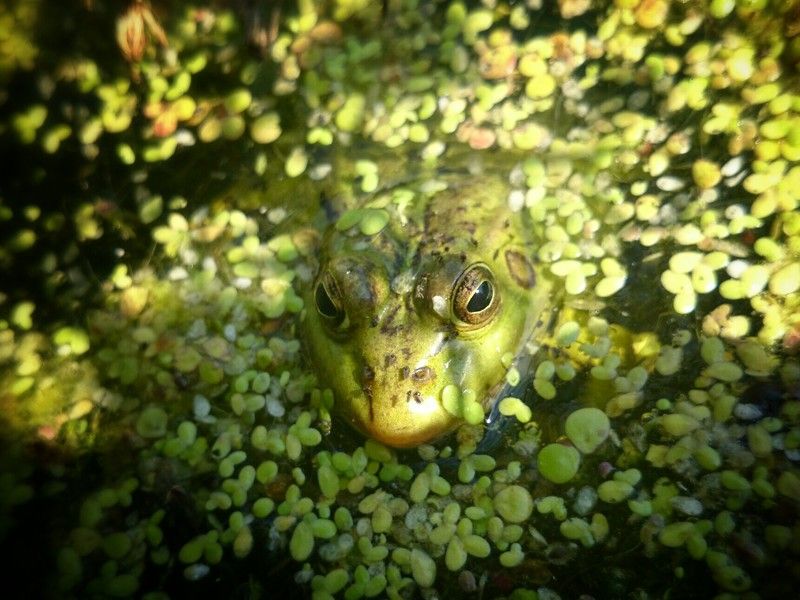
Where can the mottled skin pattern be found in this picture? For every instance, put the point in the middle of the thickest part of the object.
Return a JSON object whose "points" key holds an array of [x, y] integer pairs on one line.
{"points": [[401, 342]]}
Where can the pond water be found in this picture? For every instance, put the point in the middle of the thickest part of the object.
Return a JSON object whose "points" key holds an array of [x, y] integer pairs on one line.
{"points": [[170, 172]]}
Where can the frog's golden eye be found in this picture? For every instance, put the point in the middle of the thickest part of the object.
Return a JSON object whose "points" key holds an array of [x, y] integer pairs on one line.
{"points": [[328, 301], [475, 297]]}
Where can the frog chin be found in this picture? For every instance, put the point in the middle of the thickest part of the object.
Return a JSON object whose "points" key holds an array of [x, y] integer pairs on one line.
{"points": [[401, 420], [424, 406]]}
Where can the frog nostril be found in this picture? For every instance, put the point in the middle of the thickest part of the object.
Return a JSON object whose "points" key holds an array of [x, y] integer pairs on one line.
{"points": [[416, 396], [423, 374], [367, 374]]}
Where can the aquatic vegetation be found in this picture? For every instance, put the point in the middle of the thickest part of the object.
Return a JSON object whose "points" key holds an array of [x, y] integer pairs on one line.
{"points": [[162, 205]]}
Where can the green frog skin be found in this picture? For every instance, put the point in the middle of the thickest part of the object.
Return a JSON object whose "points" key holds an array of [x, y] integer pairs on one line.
{"points": [[445, 289]]}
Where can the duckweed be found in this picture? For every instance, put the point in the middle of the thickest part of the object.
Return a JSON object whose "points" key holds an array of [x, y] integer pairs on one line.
{"points": [[587, 428], [423, 568], [511, 406], [514, 504], [301, 543], [152, 422], [296, 162], [266, 128], [614, 491], [558, 463], [190, 356]]}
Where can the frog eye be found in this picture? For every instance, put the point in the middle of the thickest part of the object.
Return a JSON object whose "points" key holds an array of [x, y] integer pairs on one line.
{"points": [[328, 301], [475, 297]]}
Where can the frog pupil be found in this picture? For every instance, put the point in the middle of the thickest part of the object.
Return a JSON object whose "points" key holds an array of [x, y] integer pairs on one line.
{"points": [[481, 299], [325, 305]]}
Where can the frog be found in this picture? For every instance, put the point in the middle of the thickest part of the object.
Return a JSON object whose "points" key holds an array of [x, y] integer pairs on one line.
{"points": [[419, 288]]}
